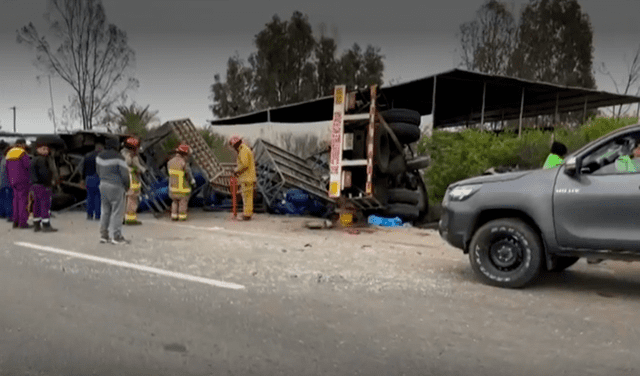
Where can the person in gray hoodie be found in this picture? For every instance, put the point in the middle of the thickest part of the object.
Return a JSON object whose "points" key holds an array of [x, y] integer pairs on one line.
{"points": [[114, 182]]}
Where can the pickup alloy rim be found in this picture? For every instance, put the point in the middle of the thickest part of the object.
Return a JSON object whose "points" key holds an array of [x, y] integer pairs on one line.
{"points": [[506, 254]]}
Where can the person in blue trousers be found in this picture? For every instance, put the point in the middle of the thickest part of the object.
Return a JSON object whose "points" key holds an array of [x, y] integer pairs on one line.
{"points": [[6, 192], [92, 183]]}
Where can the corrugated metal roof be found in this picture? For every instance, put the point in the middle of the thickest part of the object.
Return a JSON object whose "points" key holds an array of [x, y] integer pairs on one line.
{"points": [[458, 100]]}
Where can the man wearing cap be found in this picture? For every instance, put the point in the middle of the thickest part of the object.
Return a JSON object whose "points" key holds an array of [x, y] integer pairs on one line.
{"points": [[41, 187], [6, 192], [18, 162], [130, 154], [114, 182], [180, 177], [246, 173]]}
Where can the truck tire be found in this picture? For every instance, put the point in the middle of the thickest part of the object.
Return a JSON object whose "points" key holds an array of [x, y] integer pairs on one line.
{"points": [[405, 132], [563, 262], [423, 200], [506, 253], [403, 196], [397, 165], [382, 151], [402, 115], [406, 212], [418, 163]]}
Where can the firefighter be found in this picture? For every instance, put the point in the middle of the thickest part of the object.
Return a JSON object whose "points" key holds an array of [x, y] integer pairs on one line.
{"points": [[246, 173], [136, 169], [17, 165], [180, 176]]}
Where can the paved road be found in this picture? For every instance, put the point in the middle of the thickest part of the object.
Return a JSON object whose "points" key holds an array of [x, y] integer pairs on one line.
{"points": [[298, 303]]}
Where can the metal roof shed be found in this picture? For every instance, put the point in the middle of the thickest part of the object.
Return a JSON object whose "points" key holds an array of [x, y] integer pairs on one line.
{"points": [[456, 97]]}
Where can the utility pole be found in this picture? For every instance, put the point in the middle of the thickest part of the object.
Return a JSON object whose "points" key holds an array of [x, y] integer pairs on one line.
{"points": [[14, 118], [53, 114]]}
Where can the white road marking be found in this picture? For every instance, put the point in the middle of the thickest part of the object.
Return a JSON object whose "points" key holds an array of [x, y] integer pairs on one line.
{"points": [[129, 265]]}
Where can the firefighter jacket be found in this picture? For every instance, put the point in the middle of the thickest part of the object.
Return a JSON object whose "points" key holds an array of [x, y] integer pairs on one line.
{"points": [[180, 176], [245, 162], [135, 168]]}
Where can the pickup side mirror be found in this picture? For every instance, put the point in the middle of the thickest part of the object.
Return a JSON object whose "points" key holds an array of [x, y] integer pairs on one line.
{"points": [[572, 166]]}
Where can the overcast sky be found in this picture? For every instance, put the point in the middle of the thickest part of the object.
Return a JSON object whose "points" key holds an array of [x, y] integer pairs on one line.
{"points": [[181, 44]]}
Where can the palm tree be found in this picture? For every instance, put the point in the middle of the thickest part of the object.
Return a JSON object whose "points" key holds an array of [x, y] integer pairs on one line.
{"points": [[135, 120]]}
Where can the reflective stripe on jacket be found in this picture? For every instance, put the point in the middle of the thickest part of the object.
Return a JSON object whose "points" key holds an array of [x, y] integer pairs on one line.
{"points": [[178, 183]]}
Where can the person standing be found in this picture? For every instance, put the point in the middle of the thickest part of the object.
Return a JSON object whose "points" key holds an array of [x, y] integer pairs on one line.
{"points": [[18, 162], [180, 176], [41, 187], [114, 182], [92, 182], [246, 173], [6, 192], [558, 151], [130, 154]]}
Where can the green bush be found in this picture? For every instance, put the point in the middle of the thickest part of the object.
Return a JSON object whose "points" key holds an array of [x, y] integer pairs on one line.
{"points": [[461, 155]]}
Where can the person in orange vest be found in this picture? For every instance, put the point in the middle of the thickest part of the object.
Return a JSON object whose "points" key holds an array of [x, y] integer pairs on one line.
{"points": [[246, 173], [180, 182], [130, 154]]}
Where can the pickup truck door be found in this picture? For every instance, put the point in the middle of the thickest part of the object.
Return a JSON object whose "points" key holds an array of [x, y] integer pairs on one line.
{"points": [[597, 211]]}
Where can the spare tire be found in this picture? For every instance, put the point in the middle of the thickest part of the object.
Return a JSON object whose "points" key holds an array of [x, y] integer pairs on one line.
{"points": [[406, 212], [401, 115], [403, 196], [382, 150], [405, 132]]}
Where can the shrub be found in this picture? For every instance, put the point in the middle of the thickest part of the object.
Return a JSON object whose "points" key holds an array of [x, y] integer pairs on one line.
{"points": [[461, 155]]}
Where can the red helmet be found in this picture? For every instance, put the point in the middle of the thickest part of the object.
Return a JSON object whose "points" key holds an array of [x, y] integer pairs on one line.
{"points": [[234, 140], [132, 142], [183, 148]]}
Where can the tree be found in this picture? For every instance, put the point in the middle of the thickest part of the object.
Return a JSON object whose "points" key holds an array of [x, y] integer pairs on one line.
{"points": [[555, 44], [631, 80], [93, 56], [489, 40], [327, 66], [291, 66], [135, 120], [282, 66], [358, 69], [234, 96]]}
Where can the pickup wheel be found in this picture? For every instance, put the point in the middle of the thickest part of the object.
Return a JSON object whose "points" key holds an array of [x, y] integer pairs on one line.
{"points": [[563, 262], [506, 253]]}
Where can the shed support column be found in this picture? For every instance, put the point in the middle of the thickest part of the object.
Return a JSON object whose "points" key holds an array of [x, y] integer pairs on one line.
{"points": [[521, 110], [433, 104], [638, 112], [268, 116], [484, 93], [584, 112], [555, 117]]}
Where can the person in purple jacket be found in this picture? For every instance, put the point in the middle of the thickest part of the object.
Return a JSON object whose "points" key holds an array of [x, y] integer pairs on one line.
{"points": [[42, 184], [6, 193], [18, 162]]}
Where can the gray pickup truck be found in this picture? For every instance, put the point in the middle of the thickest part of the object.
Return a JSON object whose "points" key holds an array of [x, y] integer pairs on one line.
{"points": [[516, 225]]}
